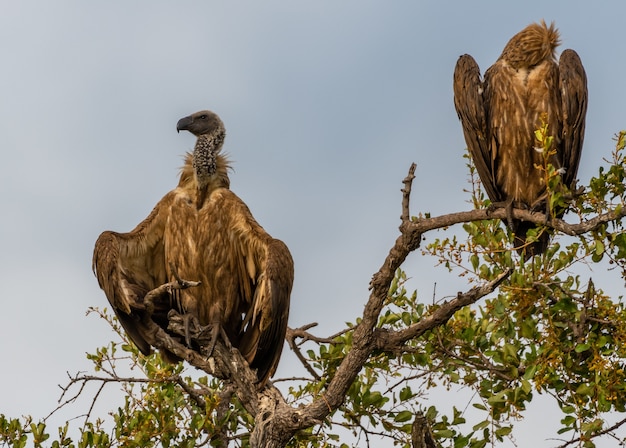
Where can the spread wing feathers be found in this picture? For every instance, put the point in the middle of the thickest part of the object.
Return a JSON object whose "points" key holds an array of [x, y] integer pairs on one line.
{"points": [[573, 87], [265, 277], [468, 102], [129, 265], [245, 274], [265, 324]]}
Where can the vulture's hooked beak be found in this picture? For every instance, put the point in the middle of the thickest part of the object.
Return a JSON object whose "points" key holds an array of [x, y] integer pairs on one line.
{"points": [[184, 123]]}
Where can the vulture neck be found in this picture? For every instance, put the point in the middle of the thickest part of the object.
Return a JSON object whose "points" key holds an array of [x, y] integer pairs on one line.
{"points": [[205, 169]]}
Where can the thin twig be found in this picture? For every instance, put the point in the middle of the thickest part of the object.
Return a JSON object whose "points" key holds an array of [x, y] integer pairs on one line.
{"points": [[290, 336], [406, 193], [597, 434]]}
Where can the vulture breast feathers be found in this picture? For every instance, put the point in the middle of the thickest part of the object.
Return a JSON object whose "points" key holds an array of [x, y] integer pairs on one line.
{"points": [[201, 231], [500, 113]]}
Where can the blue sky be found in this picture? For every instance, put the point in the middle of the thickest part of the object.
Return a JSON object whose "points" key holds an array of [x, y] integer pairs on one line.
{"points": [[325, 104]]}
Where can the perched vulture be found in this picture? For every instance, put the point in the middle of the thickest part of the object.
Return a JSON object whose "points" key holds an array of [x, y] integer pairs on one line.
{"points": [[500, 113], [201, 231]]}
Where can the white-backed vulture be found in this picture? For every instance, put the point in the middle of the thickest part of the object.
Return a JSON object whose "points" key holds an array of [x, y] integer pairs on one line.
{"points": [[500, 114], [201, 231]]}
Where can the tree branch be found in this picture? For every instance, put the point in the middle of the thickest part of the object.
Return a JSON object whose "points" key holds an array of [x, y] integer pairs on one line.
{"points": [[228, 365], [393, 340], [365, 337], [422, 225], [406, 193]]}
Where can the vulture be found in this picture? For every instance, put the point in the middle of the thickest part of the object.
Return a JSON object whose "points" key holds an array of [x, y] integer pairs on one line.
{"points": [[201, 231], [500, 113]]}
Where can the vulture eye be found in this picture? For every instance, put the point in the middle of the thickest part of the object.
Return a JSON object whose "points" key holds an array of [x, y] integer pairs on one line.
{"points": [[203, 117]]}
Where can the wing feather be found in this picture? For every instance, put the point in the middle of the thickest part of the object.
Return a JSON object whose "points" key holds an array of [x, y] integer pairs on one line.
{"points": [[245, 274], [267, 319], [129, 265], [270, 272], [573, 87], [469, 104]]}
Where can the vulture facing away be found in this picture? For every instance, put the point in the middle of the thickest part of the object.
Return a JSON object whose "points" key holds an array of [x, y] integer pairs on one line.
{"points": [[202, 231], [500, 113]]}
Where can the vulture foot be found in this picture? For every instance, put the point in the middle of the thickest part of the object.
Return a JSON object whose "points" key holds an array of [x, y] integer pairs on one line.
{"points": [[190, 321], [508, 205], [544, 208], [195, 334], [216, 330]]}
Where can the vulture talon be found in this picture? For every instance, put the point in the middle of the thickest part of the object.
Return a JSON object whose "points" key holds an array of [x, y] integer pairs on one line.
{"points": [[189, 321], [507, 206], [216, 330]]}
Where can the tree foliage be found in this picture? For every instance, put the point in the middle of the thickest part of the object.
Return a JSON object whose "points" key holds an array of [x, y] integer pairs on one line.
{"points": [[544, 327]]}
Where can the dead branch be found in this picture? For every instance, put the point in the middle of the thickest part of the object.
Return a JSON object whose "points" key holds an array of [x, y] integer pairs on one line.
{"points": [[302, 333], [422, 225], [406, 193], [294, 346], [304, 336]]}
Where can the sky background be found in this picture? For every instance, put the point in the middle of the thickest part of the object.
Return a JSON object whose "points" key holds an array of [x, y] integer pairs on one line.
{"points": [[325, 103]]}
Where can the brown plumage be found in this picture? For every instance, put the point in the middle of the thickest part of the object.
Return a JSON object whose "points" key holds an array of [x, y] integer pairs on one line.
{"points": [[500, 114], [205, 233]]}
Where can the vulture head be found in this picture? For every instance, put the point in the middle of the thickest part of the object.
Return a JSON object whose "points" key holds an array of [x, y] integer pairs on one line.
{"points": [[201, 123], [531, 46], [209, 129]]}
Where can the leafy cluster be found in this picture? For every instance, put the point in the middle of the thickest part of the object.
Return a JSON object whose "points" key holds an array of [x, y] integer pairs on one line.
{"points": [[162, 407]]}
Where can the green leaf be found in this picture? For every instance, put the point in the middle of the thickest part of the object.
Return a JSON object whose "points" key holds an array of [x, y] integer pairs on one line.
{"points": [[403, 416], [582, 348], [406, 393], [504, 431], [584, 389], [481, 425]]}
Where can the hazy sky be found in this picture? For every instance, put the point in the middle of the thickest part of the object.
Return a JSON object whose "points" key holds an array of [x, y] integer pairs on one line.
{"points": [[325, 103]]}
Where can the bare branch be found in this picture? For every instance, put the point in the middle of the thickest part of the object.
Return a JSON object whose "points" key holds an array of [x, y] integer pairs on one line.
{"points": [[83, 380], [406, 193], [306, 336], [421, 225], [290, 336]]}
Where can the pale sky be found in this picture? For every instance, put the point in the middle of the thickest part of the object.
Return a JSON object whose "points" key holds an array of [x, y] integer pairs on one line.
{"points": [[325, 104]]}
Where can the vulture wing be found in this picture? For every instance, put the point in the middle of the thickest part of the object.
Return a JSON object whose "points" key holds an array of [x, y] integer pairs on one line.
{"points": [[129, 265], [573, 87], [265, 277], [265, 324], [470, 107]]}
